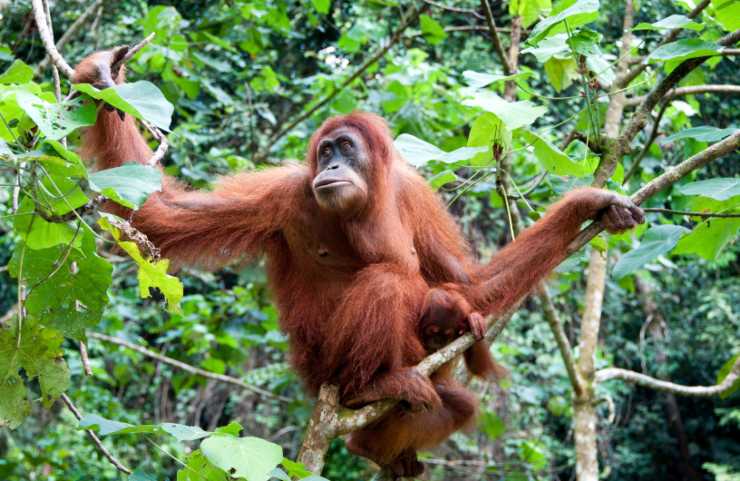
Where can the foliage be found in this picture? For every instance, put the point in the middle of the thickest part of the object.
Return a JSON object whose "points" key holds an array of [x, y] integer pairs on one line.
{"points": [[223, 78]]}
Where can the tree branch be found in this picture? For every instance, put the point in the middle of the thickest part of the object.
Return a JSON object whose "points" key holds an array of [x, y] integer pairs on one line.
{"points": [[495, 38], [94, 438], [625, 78], [692, 90], [73, 29], [466, 11], [666, 386], [186, 367], [48, 40], [411, 16]]}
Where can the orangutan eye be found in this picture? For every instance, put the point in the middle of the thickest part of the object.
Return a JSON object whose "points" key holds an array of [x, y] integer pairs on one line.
{"points": [[346, 146], [325, 152]]}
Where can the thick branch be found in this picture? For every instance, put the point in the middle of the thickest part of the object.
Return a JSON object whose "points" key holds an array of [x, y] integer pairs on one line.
{"points": [[666, 386], [186, 367], [48, 39]]}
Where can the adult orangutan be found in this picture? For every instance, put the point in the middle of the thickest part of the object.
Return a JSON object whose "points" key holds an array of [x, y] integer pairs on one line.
{"points": [[354, 239]]}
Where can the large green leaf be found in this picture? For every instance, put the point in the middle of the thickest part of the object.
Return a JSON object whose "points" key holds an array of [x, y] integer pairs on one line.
{"points": [[67, 287], [17, 73], [55, 120], [709, 238], [250, 458], [579, 13], [141, 99], [554, 160], [478, 80], [727, 13], [321, 6], [512, 114], [198, 468], [684, 49], [669, 23], [14, 403], [39, 233], [418, 152], [128, 185], [529, 10], [657, 241], [702, 133], [719, 188]]}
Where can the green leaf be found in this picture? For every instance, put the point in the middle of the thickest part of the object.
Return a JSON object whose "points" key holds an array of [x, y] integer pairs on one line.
{"points": [[231, 429], [554, 160], [442, 178], [703, 133], [492, 425], [67, 293], [54, 379], [141, 99], [719, 188], [150, 274], [727, 13], [669, 23], [478, 80], [533, 453], [103, 426], [141, 475], [529, 10], [512, 114], [55, 120], [128, 185], [182, 432], [321, 6], [557, 405], [561, 72], [418, 152], [432, 30], [40, 234], [198, 468], [709, 238], [580, 13], [251, 458], [554, 46], [488, 130], [14, 403], [684, 49], [724, 372], [657, 241], [295, 469], [17, 73]]}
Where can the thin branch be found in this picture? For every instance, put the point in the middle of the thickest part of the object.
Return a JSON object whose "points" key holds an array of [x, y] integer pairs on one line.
{"points": [[94, 437], [187, 367], [566, 350], [133, 50], [495, 39], [664, 180], [645, 148], [466, 11], [73, 29], [666, 386], [691, 213], [692, 90], [85, 359], [411, 16], [624, 79], [48, 39]]}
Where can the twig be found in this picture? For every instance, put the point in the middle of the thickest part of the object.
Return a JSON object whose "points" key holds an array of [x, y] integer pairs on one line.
{"points": [[411, 17], [466, 11], [131, 52], [691, 90], [624, 79], [72, 30], [495, 39], [691, 213], [85, 359], [94, 437], [48, 40], [566, 350], [651, 138], [666, 386], [187, 367]]}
